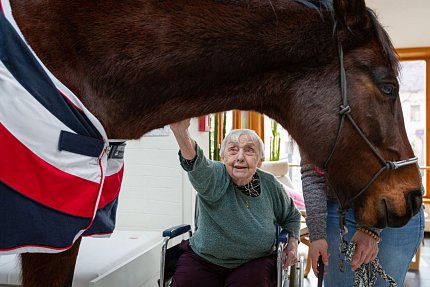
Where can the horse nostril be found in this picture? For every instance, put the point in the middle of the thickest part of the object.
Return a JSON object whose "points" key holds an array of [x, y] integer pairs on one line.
{"points": [[415, 200]]}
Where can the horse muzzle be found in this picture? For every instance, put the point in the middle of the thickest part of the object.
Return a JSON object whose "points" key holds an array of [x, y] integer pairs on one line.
{"points": [[389, 215]]}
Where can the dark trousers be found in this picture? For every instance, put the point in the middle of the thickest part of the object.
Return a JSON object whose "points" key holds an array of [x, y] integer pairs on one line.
{"points": [[194, 271]]}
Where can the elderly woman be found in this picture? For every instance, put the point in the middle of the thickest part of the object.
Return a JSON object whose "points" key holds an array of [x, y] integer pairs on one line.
{"points": [[239, 206]]}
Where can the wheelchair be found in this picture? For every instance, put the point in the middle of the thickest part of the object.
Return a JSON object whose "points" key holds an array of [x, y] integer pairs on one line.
{"points": [[293, 277]]}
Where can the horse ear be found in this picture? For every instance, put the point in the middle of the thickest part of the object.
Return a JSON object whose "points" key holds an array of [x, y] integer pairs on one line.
{"points": [[351, 13]]}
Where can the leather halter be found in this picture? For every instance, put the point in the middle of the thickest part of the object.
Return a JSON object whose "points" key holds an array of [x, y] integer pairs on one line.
{"points": [[345, 112]]}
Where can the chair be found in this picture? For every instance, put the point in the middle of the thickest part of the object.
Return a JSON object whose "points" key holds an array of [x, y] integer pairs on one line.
{"points": [[415, 264], [169, 258], [279, 169]]}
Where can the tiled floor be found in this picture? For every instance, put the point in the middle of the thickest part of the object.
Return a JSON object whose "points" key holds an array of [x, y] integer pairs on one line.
{"points": [[420, 278]]}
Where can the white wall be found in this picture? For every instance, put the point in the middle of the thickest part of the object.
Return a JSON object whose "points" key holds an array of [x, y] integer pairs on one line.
{"points": [[156, 193], [406, 21]]}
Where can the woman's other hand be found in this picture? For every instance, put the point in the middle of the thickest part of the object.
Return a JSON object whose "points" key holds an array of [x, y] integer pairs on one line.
{"points": [[289, 254], [317, 248]]}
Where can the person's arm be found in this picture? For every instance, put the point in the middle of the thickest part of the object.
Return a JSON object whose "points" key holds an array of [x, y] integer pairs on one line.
{"points": [[209, 178], [286, 213], [288, 216], [315, 196], [292, 223], [314, 193]]}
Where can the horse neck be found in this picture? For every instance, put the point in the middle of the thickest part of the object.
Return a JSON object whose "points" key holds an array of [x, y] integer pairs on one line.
{"points": [[140, 72]]}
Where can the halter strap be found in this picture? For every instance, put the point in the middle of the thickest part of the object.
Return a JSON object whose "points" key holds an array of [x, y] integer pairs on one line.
{"points": [[345, 109]]}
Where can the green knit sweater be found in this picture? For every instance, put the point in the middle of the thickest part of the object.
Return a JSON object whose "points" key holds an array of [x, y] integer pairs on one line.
{"points": [[229, 234]]}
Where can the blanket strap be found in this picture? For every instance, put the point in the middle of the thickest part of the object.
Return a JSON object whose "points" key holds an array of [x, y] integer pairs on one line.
{"points": [[80, 144]]}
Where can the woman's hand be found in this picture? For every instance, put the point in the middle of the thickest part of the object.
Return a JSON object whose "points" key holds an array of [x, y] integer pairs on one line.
{"points": [[180, 127], [186, 144], [289, 254], [317, 248], [366, 250]]}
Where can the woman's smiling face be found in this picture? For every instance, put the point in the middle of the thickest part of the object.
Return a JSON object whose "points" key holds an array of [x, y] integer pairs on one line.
{"points": [[241, 159]]}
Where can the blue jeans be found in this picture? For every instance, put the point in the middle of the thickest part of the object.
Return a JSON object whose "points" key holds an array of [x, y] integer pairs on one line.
{"points": [[396, 250]]}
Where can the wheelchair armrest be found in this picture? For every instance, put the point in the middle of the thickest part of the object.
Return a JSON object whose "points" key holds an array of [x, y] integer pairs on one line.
{"points": [[176, 230], [283, 236]]}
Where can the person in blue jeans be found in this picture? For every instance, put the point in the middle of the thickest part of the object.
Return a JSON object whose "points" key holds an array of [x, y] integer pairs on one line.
{"points": [[395, 250]]}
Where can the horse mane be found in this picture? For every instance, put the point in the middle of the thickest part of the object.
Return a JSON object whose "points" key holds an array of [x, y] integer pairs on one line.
{"points": [[385, 41], [382, 36]]}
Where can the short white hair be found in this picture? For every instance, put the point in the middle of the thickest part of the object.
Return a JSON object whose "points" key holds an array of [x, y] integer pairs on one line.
{"points": [[234, 136]]}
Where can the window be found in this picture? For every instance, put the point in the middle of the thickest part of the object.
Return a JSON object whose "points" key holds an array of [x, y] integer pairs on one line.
{"points": [[224, 122], [289, 150], [415, 113], [415, 96]]}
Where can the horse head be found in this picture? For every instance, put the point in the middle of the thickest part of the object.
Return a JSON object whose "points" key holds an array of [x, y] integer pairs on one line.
{"points": [[358, 132]]}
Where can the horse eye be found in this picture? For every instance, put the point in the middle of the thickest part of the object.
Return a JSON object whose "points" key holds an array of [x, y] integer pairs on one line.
{"points": [[390, 90]]}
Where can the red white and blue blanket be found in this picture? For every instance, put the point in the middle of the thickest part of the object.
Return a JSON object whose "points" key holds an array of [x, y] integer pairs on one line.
{"points": [[59, 175]]}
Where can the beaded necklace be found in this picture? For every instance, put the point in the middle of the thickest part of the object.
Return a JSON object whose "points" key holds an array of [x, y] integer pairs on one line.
{"points": [[251, 189]]}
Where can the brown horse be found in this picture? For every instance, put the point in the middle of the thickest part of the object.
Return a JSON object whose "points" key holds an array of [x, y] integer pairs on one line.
{"points": [[141, 64]]}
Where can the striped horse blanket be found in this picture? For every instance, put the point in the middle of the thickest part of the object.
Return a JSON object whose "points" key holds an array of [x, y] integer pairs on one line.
{"points": [[60, 175]]}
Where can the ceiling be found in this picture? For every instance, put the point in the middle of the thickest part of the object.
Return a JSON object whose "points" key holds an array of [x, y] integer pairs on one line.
{"points": [[407, 21]]}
